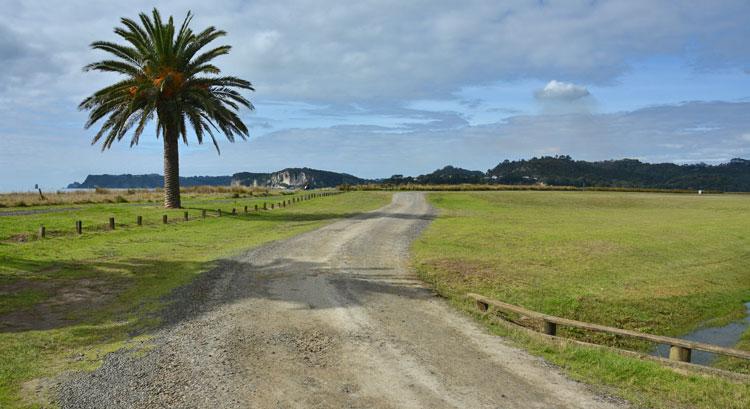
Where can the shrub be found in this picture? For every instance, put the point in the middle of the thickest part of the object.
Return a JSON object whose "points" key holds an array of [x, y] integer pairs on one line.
{"points": [[120, 199]]}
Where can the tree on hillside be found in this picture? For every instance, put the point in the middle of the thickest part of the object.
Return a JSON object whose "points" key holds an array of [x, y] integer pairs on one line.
{"points": [[167, 78]]}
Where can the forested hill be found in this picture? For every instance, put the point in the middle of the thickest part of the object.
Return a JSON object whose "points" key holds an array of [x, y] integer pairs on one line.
{"points": [[733, 176], [146, 181], [286, 178], [630, 173], [296, 177]]}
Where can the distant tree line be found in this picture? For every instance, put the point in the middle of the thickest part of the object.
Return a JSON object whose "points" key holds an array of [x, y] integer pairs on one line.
{"points": [[733, 176]]}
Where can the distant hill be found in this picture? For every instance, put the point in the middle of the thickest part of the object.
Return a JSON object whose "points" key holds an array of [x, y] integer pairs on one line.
{"points": [[451, 175], [148, 181], [296, 177], [626, 173], [290, 177], [733, 176], [448, 175]]}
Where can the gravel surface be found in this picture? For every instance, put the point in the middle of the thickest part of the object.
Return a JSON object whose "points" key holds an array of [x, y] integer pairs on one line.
{"points": [[328, 319]]}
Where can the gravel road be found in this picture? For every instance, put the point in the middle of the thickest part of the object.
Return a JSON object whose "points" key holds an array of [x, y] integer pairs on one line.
{"points": [[328, 319]]}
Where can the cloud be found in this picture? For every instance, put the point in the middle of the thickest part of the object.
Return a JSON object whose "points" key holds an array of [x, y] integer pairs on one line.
{"points": [[23, 63], [339, 51], [560, 98], [473, 103], [10, 45], [561, 91], [653, 134], [334, 78]]}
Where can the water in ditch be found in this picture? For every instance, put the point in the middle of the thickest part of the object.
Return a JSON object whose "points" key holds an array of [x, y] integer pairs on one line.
{"points": [[726, 336]]}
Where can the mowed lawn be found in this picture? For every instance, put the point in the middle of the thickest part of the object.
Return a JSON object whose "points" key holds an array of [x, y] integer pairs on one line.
{"points": [[658, 263], [67, 300]]}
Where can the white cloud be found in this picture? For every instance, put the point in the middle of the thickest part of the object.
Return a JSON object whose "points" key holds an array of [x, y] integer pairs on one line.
{"points": [[366, 60], [339, 50], [561, 91], [563, 98]]}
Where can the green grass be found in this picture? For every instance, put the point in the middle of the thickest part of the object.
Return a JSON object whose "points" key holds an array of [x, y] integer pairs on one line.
{"points": [[658, 263], [61, 220], [127, 273]]}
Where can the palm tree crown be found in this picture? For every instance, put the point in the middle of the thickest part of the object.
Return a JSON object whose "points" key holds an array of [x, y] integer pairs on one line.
{"points": [[169, 78]]}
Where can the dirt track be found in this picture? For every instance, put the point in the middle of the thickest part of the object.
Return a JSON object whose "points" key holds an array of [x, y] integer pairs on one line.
{"points": [[327, 319]]}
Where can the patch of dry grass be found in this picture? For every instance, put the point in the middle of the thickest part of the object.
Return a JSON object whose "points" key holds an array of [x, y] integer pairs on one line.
{"points": [[101, 195]]}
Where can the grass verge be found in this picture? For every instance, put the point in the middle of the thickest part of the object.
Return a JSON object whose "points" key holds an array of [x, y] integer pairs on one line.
{"points": [[658, 263]]}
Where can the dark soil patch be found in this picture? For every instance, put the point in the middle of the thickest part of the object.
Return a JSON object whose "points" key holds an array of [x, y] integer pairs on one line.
{"points": [[69, 302]]}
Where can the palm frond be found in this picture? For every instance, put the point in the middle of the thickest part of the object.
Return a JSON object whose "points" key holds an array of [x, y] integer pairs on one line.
{"points": [[169, 78]]}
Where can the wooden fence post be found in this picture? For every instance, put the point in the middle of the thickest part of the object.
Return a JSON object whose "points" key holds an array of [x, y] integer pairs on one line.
{"points": [[271, 206], [186, 216], [42, 232], [264, 206], [139, 220], [218, 212], [111, 223], [234, 211], [550, 328], [79, 227], [245, 209], [677, 353], [203, 213], [164, 219], [256, 208]]}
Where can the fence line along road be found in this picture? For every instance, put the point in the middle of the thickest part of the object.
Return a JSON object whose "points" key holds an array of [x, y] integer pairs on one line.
{"points": [[42, 232], [680, 349]]}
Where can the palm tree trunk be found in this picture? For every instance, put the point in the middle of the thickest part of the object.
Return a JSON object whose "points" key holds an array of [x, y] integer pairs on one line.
{"points": [[171, 170]]}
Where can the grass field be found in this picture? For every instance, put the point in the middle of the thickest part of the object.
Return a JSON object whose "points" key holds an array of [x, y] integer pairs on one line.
{"points": [[60, 220], [67, 300], [103, 195], [657, 263]]}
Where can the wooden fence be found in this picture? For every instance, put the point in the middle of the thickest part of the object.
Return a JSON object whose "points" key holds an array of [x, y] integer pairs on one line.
{"points": [[680, 349], [111, 225]]}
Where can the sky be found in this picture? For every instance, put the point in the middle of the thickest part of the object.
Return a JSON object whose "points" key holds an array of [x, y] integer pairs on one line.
{"points": [[375, 88]]}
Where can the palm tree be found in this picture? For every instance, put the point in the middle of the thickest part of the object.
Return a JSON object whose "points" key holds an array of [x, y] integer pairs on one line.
{"points": [[166, 78]]}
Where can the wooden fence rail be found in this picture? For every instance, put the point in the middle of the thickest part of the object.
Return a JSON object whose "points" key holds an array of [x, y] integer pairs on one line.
{"points": [[42, 232], [680, 349]]}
